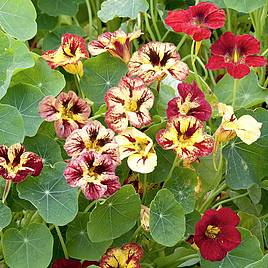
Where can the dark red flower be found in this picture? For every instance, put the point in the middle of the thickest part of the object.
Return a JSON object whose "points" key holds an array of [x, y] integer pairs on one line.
{"points": [[236, 53], [191, 101], [216, 233], [63, 263], [197, 21]]}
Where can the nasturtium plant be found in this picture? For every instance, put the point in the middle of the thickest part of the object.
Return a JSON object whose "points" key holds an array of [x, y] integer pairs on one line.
{"points": [[133, 133]]}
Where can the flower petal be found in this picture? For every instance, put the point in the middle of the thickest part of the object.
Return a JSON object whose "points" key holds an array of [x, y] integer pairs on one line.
{"points": [[256, 61], [139, 163], [237, 71]]}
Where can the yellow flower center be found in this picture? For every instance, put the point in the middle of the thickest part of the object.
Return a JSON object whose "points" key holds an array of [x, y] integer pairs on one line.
{"points": [[212, 231], [185, 107], [236, 56], [66, 113], [132, 106]]}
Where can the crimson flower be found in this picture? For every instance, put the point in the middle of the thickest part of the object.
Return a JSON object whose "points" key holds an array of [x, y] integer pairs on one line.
{"points": [[68, 111], [63, 263], [216, 233], [197, 21], [16, 164], [235, 53], [94, 173], [191, 101]]}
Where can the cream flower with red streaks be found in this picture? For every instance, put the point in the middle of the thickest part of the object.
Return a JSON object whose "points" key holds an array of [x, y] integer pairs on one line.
{"points": [[153, 61], [130, 102], [138, 148], [186, 136], [93, 137], [16, 164], [116, 43], [68, 55], [68, 111]]}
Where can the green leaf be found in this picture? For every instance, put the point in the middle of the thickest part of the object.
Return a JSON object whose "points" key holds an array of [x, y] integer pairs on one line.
{"points": [[219, 3], [58, 7], [245, 6], [100, 74], [182, 185], [191, 220], [114, 217], [46, 22], [122, 8], [31, 247], [11, 125], [49, 81], [248, 93], [255, 194], [6, 216], [247, 164], [246, 253], [17, 18], [26, 99], [259, 264], [45, 147], [79, 245], [167, 220], [165, 95], [55, 200]]}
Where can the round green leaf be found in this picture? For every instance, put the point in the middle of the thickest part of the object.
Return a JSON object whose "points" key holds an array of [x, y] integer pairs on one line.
{"points": [[245, 6], [58, 7], [167, 220], [55, 200], [182, 185], [17, 18], [122, 8], [117, 215], [6, 216], [26, 98], [246, 253], [11, 125], [262, 263], [100, 74], [78, 243], [49, 81], [45, 147], [247, 164], [31, 247]]}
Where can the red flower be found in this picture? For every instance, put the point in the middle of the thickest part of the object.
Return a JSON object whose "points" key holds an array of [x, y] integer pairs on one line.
{"points": [[191, 101], [216, 233], [236, 53], [197, 21], [16, 164], [63, 263]]}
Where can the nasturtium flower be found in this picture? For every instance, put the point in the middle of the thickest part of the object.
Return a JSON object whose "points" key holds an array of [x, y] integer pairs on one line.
{"points": [[190, 101], [145, 218], [68, 111], [128, 256], [94, 174], [133, 179], [116, 43], [186, 136], [129, 102], [197, 21], [246, 127], [16, 164], [153, 61], [235, 53], [68, 55], [216, 233], [64, 263], [93, 137], [138, 148]]}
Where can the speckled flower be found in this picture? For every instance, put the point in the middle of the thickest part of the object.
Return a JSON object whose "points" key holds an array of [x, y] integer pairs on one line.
{"points": [[94, 174], [128, 256], [130, 102], [69, 54], [247, 128], [153, 61], [138, 148], [190, 101], [93, 137], [16, 164], [186, 136], [116, 43], [68, 111]]}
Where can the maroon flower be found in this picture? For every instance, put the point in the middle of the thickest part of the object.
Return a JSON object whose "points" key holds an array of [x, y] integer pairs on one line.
{"points": [[236, 53], [197, 21], [63, 263], [68, 111], [191, 101], [94, 173], [16, 164], [216, 233]]}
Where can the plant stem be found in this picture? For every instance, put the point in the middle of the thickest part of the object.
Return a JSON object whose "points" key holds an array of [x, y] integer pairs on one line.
{"points": [[135, 234], [154, 20], [175, 162], [90, 206], [234, 92], [144, 187], [89, 11], [77, 84], [229, 199], [165, 36], [62, 242], [229, 25], [6, 190], [193, 57], [148, 27], [97, 116], [181, 42]]}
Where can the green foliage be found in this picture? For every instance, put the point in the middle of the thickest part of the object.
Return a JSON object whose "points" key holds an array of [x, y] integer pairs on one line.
{"points": [[6, 216]]}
